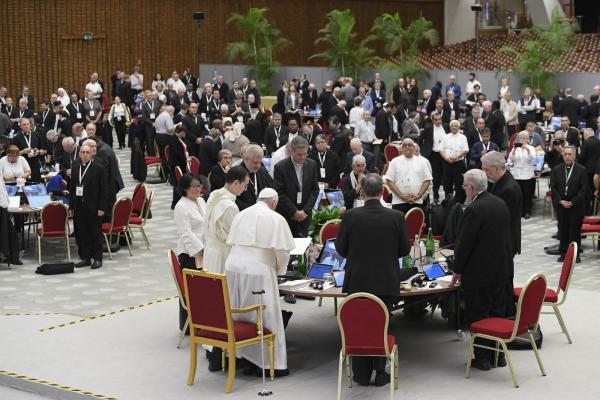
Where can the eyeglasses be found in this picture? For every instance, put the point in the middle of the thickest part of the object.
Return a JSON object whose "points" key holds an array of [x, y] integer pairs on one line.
{"points": [[196, 186]]}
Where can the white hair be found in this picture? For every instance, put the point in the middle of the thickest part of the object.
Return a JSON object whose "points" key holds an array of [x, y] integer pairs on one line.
{"points": [[357, 159], [477, 178]]}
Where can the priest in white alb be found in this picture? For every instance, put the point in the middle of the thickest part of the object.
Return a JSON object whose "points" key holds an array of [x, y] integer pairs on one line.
{"points": [[261, 242]]}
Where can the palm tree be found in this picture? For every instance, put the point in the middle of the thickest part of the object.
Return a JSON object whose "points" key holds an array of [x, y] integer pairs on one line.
{"points": [[262, 40], [343, 52]]}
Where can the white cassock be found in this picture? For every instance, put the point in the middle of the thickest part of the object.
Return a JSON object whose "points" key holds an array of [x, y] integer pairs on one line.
{"points": [[220, 212], [261, 243]]}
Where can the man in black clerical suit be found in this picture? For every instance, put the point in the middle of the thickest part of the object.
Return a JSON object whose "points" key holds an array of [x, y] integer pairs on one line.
{"points": [[569, 186], [507, 188], [296, 182], [356, 149], [276, 135], [374, 272], [88, 192], [31, 146], [483, 258], [569, 107], [259, 177], [569, 133], [150, 111], [327, 162], [590, 157], [114, 180], [208, 151]]}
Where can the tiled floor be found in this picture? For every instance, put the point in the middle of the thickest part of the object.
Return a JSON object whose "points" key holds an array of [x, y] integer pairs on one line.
{"points": [[145, 276]]}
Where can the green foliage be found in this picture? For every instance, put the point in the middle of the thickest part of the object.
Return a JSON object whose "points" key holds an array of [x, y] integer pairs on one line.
{"points": [[343, 50], [404, 43], [542, 53], [262, 41], [319, 217]]}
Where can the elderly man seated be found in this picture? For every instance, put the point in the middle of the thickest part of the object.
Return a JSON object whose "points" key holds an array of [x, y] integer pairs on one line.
{"points": [[356, 149], [351, 188]]}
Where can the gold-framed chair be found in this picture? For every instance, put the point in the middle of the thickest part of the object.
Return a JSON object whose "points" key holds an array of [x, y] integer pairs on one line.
{"points": [[138, 222], [363, 320], [119, 223], [211, 322], [503, 330], [55, 224]]}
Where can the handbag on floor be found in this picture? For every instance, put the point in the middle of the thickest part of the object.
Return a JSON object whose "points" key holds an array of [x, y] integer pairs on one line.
{"points": [[56, 268]]}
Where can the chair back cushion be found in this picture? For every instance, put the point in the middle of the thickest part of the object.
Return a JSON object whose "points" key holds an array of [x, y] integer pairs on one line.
{"points": [[121, 214], [194, 165], [391, 152], [363, 324], [567, 267], [530, 303], [177, 273], [414, 223], [330, 230], [54, 217], [138, 198], [207, 303], [178, 174], [147, 206]]}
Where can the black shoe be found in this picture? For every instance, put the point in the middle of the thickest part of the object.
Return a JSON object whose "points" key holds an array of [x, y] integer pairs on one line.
{"points": [[16, 262], [311, 298], [214, 362], [561, 258], [555, 236], [382, 378], [578, 259], [553, 246], [553, 251], [501, 360], [97, 264], [83, 263], [289, 298], [481, 363], [360, 383], [527, 216], [286, 317]]}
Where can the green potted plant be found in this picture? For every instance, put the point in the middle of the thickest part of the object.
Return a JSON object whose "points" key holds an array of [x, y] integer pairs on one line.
{"points": [[319, 218]]}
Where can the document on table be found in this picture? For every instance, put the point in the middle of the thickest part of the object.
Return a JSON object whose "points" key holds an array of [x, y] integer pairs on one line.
{"points": [[301, 246]]}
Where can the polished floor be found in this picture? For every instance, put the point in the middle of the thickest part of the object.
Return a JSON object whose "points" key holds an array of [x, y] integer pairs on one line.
{"points": [[132, 354]]}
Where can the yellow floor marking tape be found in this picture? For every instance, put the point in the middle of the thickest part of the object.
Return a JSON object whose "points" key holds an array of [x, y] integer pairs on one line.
{"points": [[107, 314], [56, 385]]}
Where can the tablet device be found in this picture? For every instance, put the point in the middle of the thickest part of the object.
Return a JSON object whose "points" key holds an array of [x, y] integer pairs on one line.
{"points": [[434, 271], [554, 122], [318, 271], [268, 163], [318, 201], [35, 190], [330, 256], [339, 278], [336, 198], [38, 202], [11, 190]]}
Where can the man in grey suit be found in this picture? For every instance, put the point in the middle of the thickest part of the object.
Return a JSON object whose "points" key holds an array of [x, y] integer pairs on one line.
{"points": [[296, 181], [410, 126]]}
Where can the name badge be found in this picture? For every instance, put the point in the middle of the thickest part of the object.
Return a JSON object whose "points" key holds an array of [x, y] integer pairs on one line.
{"points": [[79, 115], [79, 191], [299, 198], [119, 118], [277, 143], [203, 116], [240, 118], [92, 113], [322, 172], [31, 154], [152, 116]]}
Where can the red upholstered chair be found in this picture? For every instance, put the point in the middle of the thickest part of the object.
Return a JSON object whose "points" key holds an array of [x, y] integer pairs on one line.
{"points": [[363, 319], [391, 151], [139, 222], [119, 224], [193, 166], [415, 218], [341, 182], [55, 217], [167, 153], [552, 296], [591, 220], [155, 161], [138, 199], [178, 174], [503, 331], [209, 313], [178, 278], [329, 230]]}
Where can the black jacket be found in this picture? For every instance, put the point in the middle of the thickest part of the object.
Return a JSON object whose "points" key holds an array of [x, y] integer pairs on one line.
{"points": [[331, 165], [369, 158], [590, 154], [426, 139], [496, 123], [249, 196], [209, 155], [286, 184], [483, 251], [73, 110], [576, 190], [569, 107], [508, 190], [310, 99], [364, 229], [383, 125], [95, 187], [271, 138]]}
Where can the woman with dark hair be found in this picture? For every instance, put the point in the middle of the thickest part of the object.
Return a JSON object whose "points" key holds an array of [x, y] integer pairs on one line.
{"points": [[189, 219]]}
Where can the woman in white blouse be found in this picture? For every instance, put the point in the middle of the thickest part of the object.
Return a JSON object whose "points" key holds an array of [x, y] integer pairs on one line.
{"points": [[522, 157], [158, 79], [119, 118], [189, 219], [13, 165]]}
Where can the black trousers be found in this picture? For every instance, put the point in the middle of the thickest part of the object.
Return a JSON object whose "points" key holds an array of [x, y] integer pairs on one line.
{"points": [[185, 261], [481, 303], [299, 229], [406, 207], [437, 170], [88, 234], [569, 226], [120, 129], [162, 141], [150, 135], [363, 367], [453, 179], [527, 189]]}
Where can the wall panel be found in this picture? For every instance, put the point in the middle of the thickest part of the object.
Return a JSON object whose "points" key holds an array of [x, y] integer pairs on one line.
{"points": [[47, 49]]}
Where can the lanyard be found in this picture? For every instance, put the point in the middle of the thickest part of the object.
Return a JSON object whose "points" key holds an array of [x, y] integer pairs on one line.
{"points": [[567, 177], [91, 103], [84, 172], [21, 112], [44, 116], [27, 139], [76, 105], [322, 159], [255, 183], [277, 132], [486, 147]]}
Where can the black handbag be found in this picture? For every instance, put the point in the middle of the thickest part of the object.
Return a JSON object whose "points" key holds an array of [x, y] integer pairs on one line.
{"points": [[56, 268]]}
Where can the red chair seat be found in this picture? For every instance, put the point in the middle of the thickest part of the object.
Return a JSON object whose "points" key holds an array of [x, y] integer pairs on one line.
{"points": [[370, 350], [50, 233], [242, 331], [499, 327], [591, 220], [135, 220], [590, 228], [116, 229], [152, 160], [550, 297]]}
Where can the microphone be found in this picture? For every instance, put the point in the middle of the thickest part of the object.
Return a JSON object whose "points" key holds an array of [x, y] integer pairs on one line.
{"points": [[425, 255], [262, 291]]}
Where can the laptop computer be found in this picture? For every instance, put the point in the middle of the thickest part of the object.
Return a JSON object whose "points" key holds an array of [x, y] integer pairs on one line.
{"points": [[39, 189], [335, 198], [318, 201], [554, 122], [331, 257], [38, 202], [318, 271], [268, 163], [339, 278], [11, 190]]}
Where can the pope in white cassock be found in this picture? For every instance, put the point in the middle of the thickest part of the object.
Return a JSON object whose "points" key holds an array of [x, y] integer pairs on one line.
{"points": [[261, 242]]}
